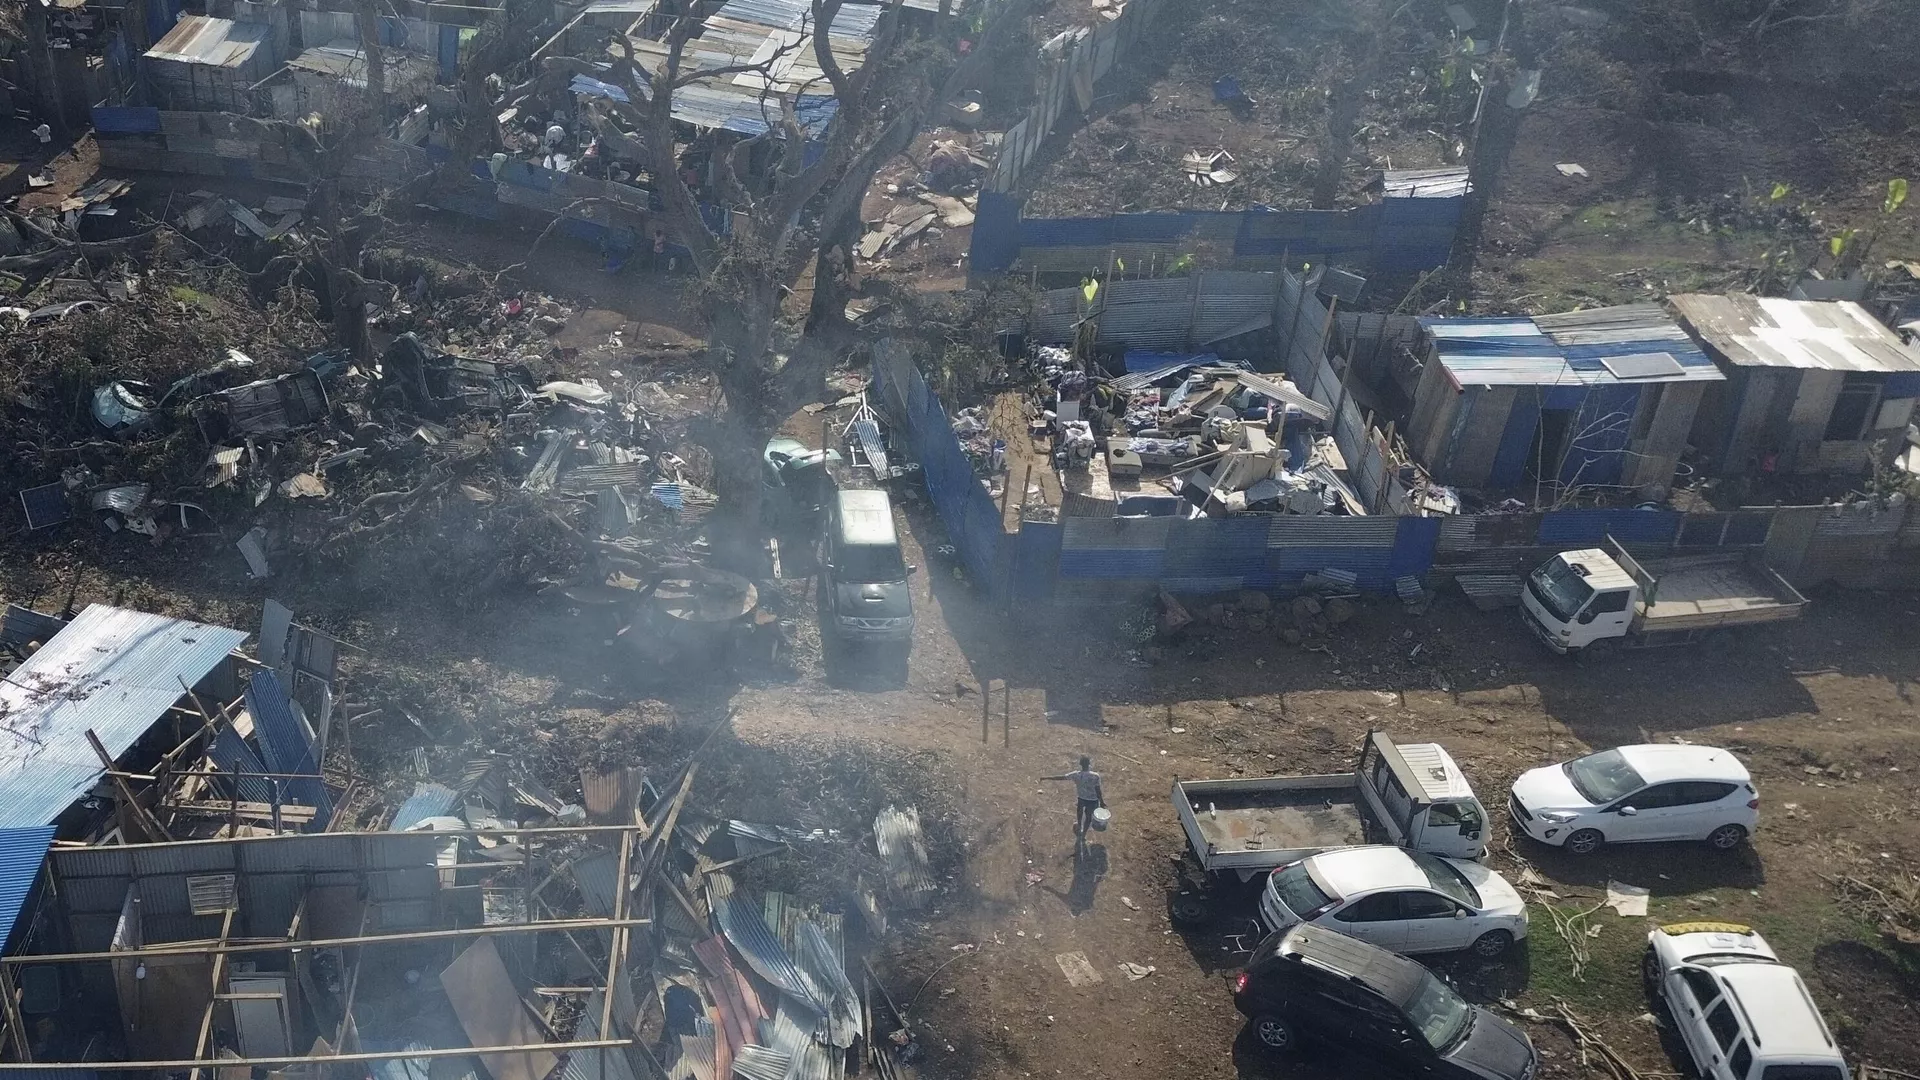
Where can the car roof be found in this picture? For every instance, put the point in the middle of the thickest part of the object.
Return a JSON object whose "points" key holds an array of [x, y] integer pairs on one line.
{"points": [[1658, 763], [866, 517], [1393, 977], [1350, 871], [1783, 1018]]}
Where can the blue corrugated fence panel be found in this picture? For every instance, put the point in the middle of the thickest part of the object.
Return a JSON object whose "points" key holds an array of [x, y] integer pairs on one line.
{"points": [[284, 742], [995, 245], [1065, 232], [1414, 542], [1597, 454], [1589, 528], [1516, 442], [1370, 565], [1229, 547], [1036, 559], [1112, 563], [125, 119], [1151, 228], [21, 853]]}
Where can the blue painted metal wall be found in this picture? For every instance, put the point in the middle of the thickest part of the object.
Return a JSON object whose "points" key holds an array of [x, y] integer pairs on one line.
{"points": [[1393, 235], [22, 851], [971, 518], [1590, 528]]}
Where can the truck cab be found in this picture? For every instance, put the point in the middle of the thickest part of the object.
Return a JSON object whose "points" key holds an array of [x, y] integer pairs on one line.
{"points": [[1421, 798], [1579, 597]]}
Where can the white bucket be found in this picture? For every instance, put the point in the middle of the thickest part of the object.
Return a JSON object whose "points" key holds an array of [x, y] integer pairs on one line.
{"points": [[1101, 817]]}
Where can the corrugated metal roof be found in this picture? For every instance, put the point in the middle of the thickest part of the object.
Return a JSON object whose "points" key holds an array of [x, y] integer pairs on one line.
{"points": [[1569, 349], [587, 1064], [825, 964], [759, 1063], [696, 1058], [794, 1022], [428, 800], [22, 852], [232, 754], [743, 925], [342, 60], [1768, 331], [896, 833], [285, 745], [111, 671], [200, 39]]}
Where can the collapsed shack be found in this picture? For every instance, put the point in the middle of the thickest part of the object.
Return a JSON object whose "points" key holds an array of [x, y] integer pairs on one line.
{"points": [[469, 930], [128, 727]]}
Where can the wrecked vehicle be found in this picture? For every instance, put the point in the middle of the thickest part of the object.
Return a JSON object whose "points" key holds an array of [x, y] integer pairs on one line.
{"points": [[439, 385], [795, 482]]}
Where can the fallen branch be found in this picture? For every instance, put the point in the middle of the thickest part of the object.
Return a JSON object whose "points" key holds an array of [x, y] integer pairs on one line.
{"points": [[66, 252], [1591, 1046]]}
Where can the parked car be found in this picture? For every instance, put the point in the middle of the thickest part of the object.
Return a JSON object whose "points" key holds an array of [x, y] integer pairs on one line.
{"points": [[1406, 901], [1314, 983], [1742, 1014], [1635, 794]]}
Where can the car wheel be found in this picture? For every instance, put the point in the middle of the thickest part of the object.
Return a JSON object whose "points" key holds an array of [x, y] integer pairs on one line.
{"points": [[1189, 910], [1650, 974], [1585, 842], [1276, 1035], [1596, 651], [1726, 838], [1492, 943]]}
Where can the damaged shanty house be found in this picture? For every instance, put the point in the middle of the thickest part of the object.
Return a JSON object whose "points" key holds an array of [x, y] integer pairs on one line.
{"points": [[1811, 386], [1604, 397], [471, 929], [129, 727]]}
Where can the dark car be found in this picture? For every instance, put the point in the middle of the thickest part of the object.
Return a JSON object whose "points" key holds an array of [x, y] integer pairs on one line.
{"points": [[1311, 982]]}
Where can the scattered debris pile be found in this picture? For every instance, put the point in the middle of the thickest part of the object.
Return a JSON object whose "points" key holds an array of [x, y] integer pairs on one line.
{"points": [[942, 196]]}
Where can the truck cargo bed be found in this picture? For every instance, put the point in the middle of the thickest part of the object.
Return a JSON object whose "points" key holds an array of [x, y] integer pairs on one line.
{"points": [[1708, 592], [1262, 823]]}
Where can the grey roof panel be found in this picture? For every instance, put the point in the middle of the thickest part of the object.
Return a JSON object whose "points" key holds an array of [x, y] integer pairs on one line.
{"points": [[428, 800], [902, 846], [112, 672], [1769, 331]]}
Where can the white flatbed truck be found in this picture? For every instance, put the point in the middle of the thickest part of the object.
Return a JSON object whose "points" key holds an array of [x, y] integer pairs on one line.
{"points": [[1595, 599], [1412, 795]]}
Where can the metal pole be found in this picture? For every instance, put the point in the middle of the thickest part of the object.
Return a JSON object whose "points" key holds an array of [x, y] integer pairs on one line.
{"points": [[283, 945], [330, 1059]]}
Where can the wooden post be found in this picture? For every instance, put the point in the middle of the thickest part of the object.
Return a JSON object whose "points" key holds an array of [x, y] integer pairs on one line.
{"points": [[1006, 713], [16, 1024], [137, 814], [615, 954], [219, 976], [986, 708]]}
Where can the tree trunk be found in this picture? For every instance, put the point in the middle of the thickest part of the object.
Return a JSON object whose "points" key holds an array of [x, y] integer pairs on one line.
{"points": [[1342, 121]]}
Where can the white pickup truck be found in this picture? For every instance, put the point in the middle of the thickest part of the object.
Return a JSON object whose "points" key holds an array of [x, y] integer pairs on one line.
{"points": [[1413, 795], [1589, 601]]}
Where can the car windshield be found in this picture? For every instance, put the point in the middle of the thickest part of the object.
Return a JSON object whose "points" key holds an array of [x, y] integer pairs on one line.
{"points": [[1603, 777], [1560, 589], [870, 563], [1439, 1013], [1445, 879], [1297, 890]]}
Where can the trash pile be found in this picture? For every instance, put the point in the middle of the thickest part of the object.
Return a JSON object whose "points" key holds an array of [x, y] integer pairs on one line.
{"points": [[942, 196], [181, 411], [1223, 439], [743, 971]]}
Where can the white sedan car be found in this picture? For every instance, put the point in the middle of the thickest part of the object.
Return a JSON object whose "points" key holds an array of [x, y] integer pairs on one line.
{"points": [[1638, 793], [1405, 901]]}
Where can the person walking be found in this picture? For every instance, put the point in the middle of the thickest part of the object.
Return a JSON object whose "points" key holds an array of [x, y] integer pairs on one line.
{"points": [[1086, 787]]}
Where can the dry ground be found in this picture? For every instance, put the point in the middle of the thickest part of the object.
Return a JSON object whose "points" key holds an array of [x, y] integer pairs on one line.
{"points": [[1823, 712]]}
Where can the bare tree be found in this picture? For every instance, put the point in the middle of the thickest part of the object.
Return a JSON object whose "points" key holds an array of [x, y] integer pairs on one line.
{"points": [[775, 217]]}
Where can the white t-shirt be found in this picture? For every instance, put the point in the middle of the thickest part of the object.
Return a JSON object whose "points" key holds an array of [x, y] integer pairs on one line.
{"points": [[1086, 784]]}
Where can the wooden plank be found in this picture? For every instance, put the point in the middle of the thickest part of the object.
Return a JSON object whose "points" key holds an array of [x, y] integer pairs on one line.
{"points": [[491, 1012]]}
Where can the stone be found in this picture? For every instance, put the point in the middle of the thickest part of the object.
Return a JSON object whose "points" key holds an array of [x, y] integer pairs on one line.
{"points": [[1339, 610], [1255, 601]]}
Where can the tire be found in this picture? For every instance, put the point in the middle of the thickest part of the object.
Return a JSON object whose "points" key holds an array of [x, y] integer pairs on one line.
{"points": [[1275, 1035], [1597, 651], [1584, 842], [1650, 974], [1189, 910], [1727, 838], [1492, 944]]}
